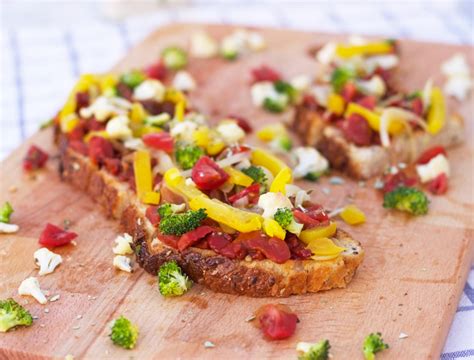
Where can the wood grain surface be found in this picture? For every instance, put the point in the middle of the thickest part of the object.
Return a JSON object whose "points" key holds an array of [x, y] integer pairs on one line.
{"points": [[410, 281]]}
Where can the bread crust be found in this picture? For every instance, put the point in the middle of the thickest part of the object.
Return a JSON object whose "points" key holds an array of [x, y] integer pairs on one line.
{"points": [[252, 278]]}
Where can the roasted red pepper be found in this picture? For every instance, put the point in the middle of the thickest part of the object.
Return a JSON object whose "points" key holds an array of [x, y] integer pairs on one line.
{"points": [[357, 130], [160, 141], [393, 181], [156, 71], [152, 215], [53, 236], [277, 322], [439, 185], [430, 154], [313, 216], [273, 248], [100, 149], [252, 192], [191, 237], [35, 158], [243, 123], [349, 92], [265, 73], [368, 102], [207, 175]]}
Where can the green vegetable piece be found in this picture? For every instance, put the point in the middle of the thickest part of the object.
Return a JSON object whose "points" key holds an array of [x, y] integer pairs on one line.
{"points": [[414, 95], [313, 175], [174, 58], [133, 78], [283, 87], [318, 351], [172, 281], [188, 155], [5, 212], [275, 105], [284, 217], [372, 345], [340, 76], [13, 314], [124, 333], [407, 199], [256, 173], [178, 224], [230, 54], [164, 210], [285, 143]]}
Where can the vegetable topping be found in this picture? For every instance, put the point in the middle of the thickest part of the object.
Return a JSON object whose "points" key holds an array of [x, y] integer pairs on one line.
{"points": [[53, 236], [13, 314], [277, 322], [123, 333]]}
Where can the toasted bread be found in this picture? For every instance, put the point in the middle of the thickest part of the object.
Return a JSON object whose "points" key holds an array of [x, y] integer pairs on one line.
{"points": [[252, 278], [363, 162]]}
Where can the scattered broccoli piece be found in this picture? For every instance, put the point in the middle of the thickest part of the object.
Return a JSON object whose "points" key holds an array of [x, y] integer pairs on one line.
{"points": [[256, 173], [165, 210], [5, 212], [340, 76], [282, 143], [414, 95], [284, 217], [174, 58], [313, 176], [133, 78], [13, 314], [178, 224], [188, 155], [283, 87], [172, 281], [275, 105], [373, 343], [229, 54], [124, 333], [318, 351], [407, 199]]}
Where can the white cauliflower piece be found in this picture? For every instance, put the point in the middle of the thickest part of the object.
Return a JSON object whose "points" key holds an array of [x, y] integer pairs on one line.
{"points": [[266, 90], [456, 65], [327, 53], [46, 260], [300, 195], [458, 87], [184, 130], [270, 202], [122, 263], [438, 165], [183, 81], [301, 82], [117, 128], [8, 228], [122, 244], [105, 107], [164, 162], [309, 161], [31, 287], [134, 144], [202, 45], [230, 132], [321, 94], [375, 86], [459, 81], [255, 41], [387, 61], [150, 89]]}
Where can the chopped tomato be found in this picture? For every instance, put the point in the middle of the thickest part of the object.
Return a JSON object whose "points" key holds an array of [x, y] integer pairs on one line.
{"points": [[393, 181], [53, 236], [357, 130], [160, 141], [439, 185], [152, 215], [243, 123], [79, 146], [349, 92], [265, 73], [207, 175], [430, 154], [100, 149], [417, 106], [193, 236], [277, 322], [368, 102], [273, 248], [156, 71], [35, 158], [252, 192]]}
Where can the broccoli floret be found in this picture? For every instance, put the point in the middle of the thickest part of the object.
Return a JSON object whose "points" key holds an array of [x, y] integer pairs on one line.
{"points": [[169, 209], [318, 351], [188, 155], [282, 143], [283, 87], [124, 333], [13, 314], [256, 173], [284, 217], [178, 224], [133, 78], [407, 199], [372, 345], [313, 175], [174, 58], [5, 212], [275, 105], [172, 281], [340, 76]]}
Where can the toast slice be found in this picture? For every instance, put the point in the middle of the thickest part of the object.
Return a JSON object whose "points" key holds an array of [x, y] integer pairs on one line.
{"points": [[263, 278]]}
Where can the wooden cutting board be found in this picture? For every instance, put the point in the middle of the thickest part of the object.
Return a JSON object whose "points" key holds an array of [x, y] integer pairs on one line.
{"points": [[410, 281]]}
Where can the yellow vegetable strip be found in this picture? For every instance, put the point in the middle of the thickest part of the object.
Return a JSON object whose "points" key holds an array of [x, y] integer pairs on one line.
{"points": [[151, 197], [374, 48], [142, 171], [179, 110], [176, 183], [263, 158], [282, 179], [238, 177], [318, 232], [437, 111], [273, 229], [352, 215], [336, 103], [395, 127], [324, 247]]}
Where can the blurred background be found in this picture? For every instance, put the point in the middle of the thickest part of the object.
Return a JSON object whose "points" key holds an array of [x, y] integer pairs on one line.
{"points": [[45, 45]]}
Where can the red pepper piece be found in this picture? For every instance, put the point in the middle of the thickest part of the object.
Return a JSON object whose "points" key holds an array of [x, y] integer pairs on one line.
{"points": [[357, 130], [113, 166], [274, 249], [53, 236], [368, 102], [430, 154], [79, 147], [277, 322], [265, 73], [297, 248], [191, 237], [35, 158], [152, 215], [252, 191], [82, 100], [160, 141], [243, 123], [170, 240], [100, 149], [349, 91], [393, 181], [156, 71], [417, 106], [207, 175], [439, 185]]}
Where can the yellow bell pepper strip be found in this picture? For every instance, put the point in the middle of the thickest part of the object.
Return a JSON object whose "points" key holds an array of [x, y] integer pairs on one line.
{"points": [[324, 247], [373, 48], [137, 113], [179, 110], [263, 158], [215, 147], [437, 111], [85, 82], [142, 171], [174, 96], [201, 136], [273, 229], [270, 132], [238, 177], [101, 133], [107, 84], [240, 220], [146, 129], [68, 123], [151, 198], [175, 182], [352, 215], [394, 128], [336, 103], [318, 232], [280, 181]]}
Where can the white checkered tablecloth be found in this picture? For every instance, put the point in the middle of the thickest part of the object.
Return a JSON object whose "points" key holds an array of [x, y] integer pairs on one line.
{"points": [[40, 63]]}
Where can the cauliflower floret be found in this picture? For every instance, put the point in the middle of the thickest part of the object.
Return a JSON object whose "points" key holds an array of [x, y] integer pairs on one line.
{"points": [[321, 94], [459, 77], [122, 263], [31, 287], [202, 45], [300, 195], [122, 246], [8, 228], [105, 107], [183, 81], [255, 41], [438, 165], [46, 260], [309, 161], [270, 202], [456, 65], [117, 127], [301, 82], [266, 90], [374, 86], [230, 132], [327, 53], [150, 89], [184, 130]]}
